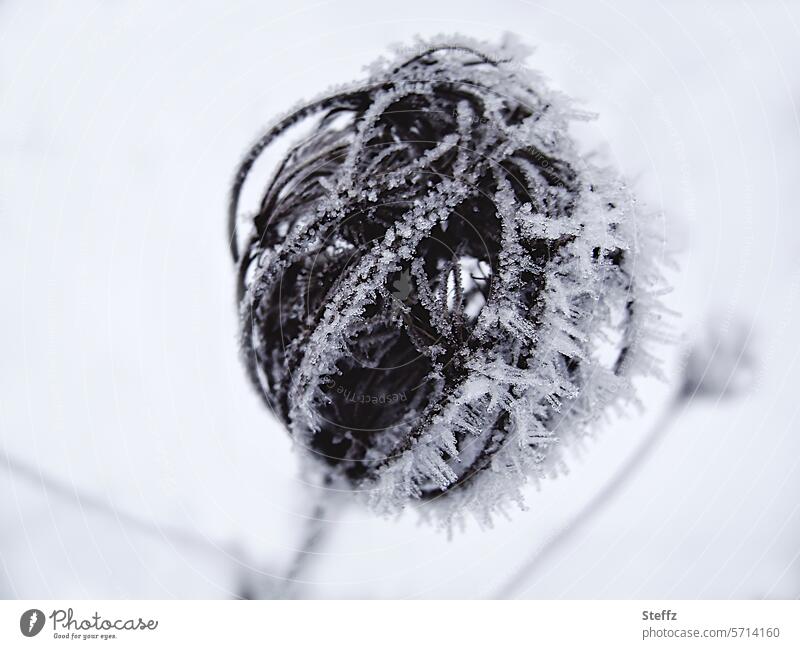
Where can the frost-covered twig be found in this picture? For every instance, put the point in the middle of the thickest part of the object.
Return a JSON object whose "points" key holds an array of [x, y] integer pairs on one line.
{"points": [[596, 504], [719, 365]]}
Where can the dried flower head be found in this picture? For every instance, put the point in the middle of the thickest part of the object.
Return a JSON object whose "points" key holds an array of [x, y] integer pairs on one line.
{"points": [[721, 362], [438, 290]]}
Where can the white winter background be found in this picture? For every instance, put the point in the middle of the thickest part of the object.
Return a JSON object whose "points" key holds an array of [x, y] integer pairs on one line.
{"points": [[135, 459]]}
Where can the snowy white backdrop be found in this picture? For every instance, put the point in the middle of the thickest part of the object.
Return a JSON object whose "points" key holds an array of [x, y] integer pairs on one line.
{"points": [[137, 462]]}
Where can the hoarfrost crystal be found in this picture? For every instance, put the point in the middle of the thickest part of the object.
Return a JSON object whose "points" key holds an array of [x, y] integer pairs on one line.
{"points": [[439, 292]]}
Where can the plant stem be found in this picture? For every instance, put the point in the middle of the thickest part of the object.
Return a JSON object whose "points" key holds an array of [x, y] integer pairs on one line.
{"points": [[88, 501], [601, 499], [314, 535]]}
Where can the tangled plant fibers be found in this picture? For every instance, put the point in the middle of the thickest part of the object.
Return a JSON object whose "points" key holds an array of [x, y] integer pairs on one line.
{"points": [[437, 292]]}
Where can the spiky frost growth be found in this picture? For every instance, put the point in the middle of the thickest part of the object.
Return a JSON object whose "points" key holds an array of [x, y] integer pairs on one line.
{"points": [[439, 292]]}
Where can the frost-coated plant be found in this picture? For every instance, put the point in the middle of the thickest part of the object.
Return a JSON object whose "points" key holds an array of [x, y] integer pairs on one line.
{"points": [[437, 291]]}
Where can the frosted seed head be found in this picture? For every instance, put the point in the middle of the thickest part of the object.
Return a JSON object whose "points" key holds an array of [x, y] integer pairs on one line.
{"points": [[445, 290]]}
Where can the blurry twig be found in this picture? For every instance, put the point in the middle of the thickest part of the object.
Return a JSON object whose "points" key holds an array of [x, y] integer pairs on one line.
{"points": [[313, 536], [600, 499], [312, 539], [85, 500], [718, 365]]}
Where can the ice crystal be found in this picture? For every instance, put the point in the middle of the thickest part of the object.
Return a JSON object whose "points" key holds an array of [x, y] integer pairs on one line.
{"points": [[439, 291]]}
